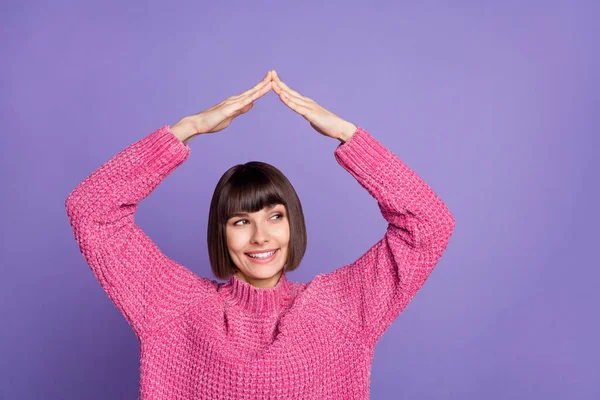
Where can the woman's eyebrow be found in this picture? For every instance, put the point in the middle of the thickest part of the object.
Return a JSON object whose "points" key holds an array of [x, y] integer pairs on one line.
{"points": [[243, 214]]}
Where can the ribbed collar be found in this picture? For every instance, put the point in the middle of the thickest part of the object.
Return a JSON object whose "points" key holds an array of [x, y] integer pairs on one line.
{"points": [[258, 300]]}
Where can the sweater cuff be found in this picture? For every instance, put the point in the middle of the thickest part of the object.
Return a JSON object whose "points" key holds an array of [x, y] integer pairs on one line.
{"points": [[363, 150], [161, 152]]}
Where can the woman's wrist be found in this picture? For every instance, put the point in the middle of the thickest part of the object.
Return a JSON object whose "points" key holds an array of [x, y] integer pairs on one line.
{"points": [[347, 133], [185, 129]]}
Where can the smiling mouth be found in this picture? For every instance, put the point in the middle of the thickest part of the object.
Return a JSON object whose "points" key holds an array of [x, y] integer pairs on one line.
{"points": [[263, 259]]}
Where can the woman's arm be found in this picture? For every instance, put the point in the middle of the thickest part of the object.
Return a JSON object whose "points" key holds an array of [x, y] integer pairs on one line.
{"points": [[143, 283], [372, 291]]}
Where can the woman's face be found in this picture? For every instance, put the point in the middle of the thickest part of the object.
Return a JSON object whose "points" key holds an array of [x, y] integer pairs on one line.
{"points": [[264, 230]]}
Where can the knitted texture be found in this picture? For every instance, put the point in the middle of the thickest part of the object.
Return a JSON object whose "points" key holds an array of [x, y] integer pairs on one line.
{"points": [[202, 339]]}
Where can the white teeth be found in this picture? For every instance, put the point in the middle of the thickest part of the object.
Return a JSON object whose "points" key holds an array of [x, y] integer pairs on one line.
{"points": [[262, 255]]}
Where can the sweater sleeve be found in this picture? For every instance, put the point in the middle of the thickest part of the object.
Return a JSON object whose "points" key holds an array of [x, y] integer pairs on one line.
{"points": [[372, 291], [143, 283]]}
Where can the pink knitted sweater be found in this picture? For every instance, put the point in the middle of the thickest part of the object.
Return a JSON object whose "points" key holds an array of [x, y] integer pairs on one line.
{"points": [[201, 339]]}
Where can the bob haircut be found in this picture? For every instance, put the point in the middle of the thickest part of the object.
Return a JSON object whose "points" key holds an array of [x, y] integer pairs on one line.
{"points": [[249, 188]]}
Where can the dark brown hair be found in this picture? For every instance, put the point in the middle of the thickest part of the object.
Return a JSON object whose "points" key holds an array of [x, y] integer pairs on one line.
{"points": [[249, 188]]}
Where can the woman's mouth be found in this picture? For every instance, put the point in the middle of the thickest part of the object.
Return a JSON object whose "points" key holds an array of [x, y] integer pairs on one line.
{"points": [[263, 260]]}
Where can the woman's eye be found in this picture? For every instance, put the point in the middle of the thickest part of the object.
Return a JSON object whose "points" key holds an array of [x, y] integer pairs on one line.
{"points": [[278, 215], [245, 220]]}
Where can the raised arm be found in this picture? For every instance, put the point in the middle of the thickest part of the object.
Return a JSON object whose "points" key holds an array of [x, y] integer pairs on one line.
{"points": [[143, 283], [372, 291]]}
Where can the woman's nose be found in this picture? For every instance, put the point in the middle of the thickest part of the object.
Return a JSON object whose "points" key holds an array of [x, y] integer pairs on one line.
{"points": [[260, 234]]}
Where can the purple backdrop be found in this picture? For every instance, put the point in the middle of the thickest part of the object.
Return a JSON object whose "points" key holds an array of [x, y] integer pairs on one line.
{"points": [[495, 106]]}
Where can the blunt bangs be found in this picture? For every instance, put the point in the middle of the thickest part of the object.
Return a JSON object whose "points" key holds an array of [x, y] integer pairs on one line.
{"points": [[250, 190]]}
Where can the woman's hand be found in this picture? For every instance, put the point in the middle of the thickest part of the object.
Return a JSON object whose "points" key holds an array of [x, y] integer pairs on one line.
{"points": [[323, 121], [219, 116]]}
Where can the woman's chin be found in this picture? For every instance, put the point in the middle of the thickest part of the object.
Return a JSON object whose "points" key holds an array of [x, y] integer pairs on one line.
{"points": [[262, 272]]}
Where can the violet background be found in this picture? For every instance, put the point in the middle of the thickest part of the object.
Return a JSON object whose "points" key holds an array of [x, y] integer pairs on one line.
{"points": [[494, 104]]}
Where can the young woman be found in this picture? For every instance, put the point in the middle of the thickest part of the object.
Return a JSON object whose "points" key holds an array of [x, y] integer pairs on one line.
{"points": [[258, 335]]}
